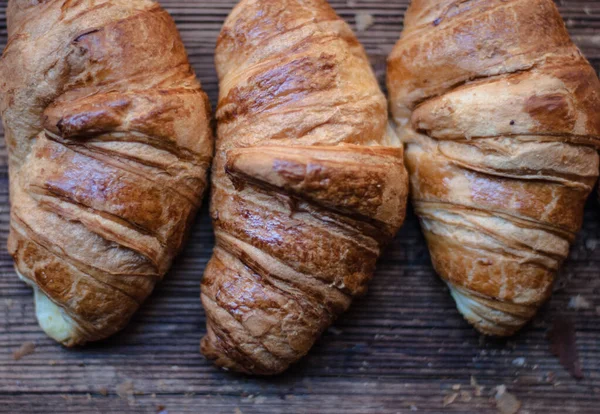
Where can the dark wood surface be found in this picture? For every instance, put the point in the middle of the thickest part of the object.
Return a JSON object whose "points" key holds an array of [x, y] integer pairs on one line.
{"points": [[403, 345]]}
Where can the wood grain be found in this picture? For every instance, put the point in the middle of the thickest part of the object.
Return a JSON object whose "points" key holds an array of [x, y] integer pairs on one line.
{"points": [[402, 345]]}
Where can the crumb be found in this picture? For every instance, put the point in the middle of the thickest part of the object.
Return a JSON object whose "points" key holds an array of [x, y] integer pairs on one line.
{"points": [[153, 395], [27, 348], [89, 396], [579, 302], [519, 362], [456, 387], [52, 362], [238, 411], [449, 399], [506, 403], [465, 396], [335, 331], [478, 389], [364, 21], [591, 244], [125, 389], [103, 391]]}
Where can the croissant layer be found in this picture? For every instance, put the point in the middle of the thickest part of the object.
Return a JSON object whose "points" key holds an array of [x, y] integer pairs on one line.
{"points": [[308, 183], [501, 129], [109, 143]]}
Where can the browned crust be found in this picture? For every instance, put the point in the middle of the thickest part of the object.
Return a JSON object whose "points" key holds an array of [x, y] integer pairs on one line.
{"points": [[502, 128], [109, 138], [307, 184]]}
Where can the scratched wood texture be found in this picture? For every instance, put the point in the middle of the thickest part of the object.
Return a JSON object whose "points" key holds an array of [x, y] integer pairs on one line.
{"points": [[402, 347]]}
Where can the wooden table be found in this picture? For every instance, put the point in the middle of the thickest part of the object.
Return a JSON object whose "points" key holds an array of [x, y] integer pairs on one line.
{"points": [[404, 345]]}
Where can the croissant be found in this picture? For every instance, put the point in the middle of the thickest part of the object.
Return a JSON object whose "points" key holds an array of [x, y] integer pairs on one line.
{"points": [[109, 143], [500, 114], [308, 183]]}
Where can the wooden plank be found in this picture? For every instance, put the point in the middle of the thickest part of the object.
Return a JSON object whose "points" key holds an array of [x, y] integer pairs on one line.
{"points": [[403, 345]]}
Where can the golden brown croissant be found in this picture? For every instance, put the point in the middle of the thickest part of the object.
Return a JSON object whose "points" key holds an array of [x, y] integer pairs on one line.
{"points": [[501, 116], [308, 182], [109, 142]]}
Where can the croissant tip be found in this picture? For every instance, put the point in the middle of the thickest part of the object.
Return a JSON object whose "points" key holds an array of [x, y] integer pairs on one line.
{"points": [[210, 353], [222, 360], [488, 320], [52, 319]]}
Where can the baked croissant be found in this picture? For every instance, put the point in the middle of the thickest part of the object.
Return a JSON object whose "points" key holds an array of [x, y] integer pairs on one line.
{"points": [[308, 183], [109, 143], [501, 116]]}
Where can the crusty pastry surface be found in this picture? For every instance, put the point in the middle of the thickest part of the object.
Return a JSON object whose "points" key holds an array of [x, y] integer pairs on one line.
{"points": [[308, 182], [109, 143], [501, 116]]}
